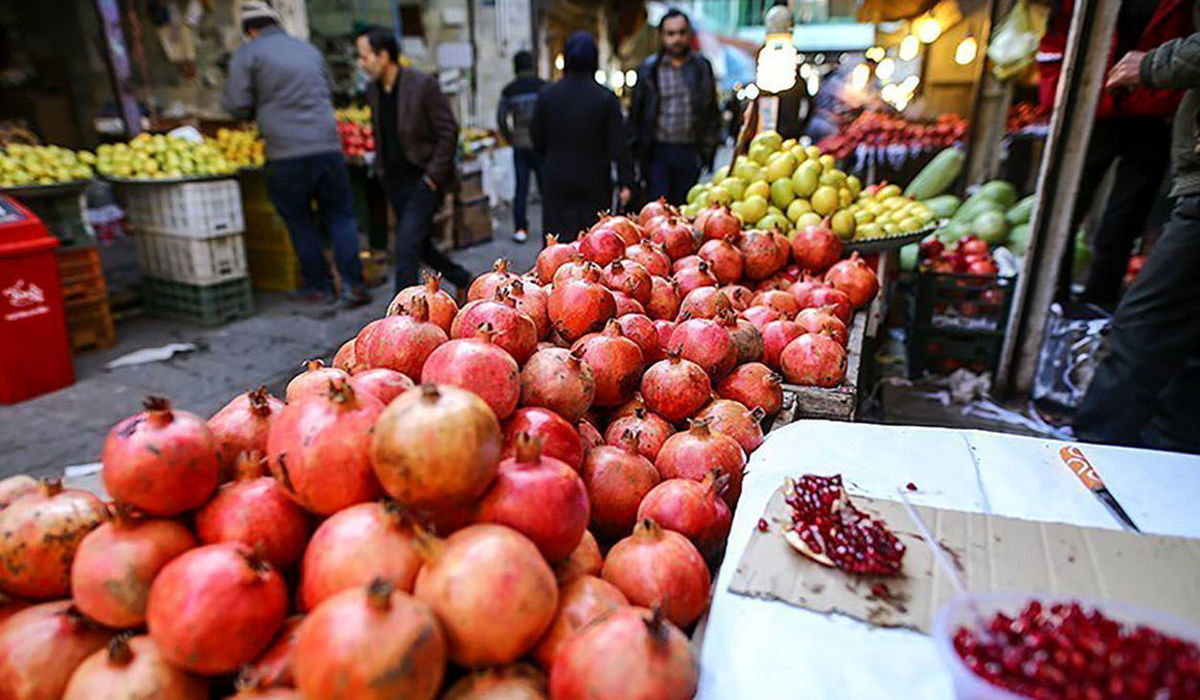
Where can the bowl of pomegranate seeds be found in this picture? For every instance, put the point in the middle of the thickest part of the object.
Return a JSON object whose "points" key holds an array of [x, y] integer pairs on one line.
{"points": [[1007, 646]]}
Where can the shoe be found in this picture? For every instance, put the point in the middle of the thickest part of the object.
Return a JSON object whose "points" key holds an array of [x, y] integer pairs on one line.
{"points": [[355, 298], [520, 236]]}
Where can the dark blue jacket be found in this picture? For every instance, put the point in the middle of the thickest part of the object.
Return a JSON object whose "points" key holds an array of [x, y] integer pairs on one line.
{"points": [[643, 114]]}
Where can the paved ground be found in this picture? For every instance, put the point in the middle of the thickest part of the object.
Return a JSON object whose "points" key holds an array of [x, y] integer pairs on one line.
{"points": [[47, 434]]}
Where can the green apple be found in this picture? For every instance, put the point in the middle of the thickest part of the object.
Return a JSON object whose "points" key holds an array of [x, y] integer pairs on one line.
{"points": [[718, 195], [808, 219], [806, 179], [759, 153], [758, 187], [695, 191], [771, 139], [746, 170], [780, 165], [774, 220], [735, 186], [782, 193], [798, 207], [843, 224], [720, 174], [754, 207]]}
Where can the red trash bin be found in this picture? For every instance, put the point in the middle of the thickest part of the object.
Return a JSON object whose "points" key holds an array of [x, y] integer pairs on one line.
{"points": [[35, 353]]}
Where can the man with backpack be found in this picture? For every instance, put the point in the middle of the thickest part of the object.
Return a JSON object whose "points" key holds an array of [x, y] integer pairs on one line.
{"points": [[514, 116]]}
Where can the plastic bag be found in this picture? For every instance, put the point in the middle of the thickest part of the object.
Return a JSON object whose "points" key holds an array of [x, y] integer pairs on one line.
{"points": [[1014, 44]]}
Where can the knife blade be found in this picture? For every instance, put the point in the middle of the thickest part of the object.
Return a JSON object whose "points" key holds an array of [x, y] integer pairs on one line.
{"points": [[1074, 458]]}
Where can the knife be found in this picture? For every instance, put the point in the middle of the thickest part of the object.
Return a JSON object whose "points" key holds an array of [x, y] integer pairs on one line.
{"points": [[1074, 458]]}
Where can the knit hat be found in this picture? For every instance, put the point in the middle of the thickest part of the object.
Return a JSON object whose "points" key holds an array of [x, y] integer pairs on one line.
{"points": [[580, 54], [257, 9]]}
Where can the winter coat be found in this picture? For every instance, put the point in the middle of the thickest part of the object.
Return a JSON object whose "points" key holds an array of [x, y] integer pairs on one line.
{"points": [[514, 115], [643, 114], [1176, 64], [427, 129]]}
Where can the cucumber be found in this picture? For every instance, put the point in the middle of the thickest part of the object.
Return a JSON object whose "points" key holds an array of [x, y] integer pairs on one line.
{"points": [[991, 227], [973, 207], [1021, 211], [943, 206], [937, 175], [954, 231], [1018, 239], [998, 191]]}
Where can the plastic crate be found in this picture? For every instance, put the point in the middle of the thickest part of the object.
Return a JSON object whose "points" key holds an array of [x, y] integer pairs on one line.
{"points": [[205, 305], [90, 325], [191, 260], [274, 270], [941, 352], [64, 216], [962, 302], [192, 209]]}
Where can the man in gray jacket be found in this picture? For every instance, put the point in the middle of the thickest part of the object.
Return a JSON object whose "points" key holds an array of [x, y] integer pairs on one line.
{"points": [[284, 84], [1144, 392]]}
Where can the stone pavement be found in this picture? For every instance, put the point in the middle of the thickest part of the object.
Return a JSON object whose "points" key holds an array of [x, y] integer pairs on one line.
{"points": [[67, 427]]}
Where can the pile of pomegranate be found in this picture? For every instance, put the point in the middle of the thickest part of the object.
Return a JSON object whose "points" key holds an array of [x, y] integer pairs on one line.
{"points": [[971, 255], [875, 129], [1061, 650]]}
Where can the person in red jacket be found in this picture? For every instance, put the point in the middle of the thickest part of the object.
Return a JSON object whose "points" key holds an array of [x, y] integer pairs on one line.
{"points": [[1132, 127]]}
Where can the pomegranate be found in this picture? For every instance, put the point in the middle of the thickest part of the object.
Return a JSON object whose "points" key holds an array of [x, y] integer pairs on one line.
{"points": [[675, 236], [724, 259], [441, 306], [478, 365], [664, 299], [531, 300], [559, 439], [116, 563], [760, 254], [226, 577], [161, 461], [540, 497], [581, 306], [823, 321], [626, 305], [241, 426], [775, 282], [510, 330], [132, 667], [704, 302], [776, 336], [651, 209], [41, 646], [791, 274], [854, 277], [687, 262], [515, 682], [731, 418], [739, 296], [664, 329], [487, 572], [485, 285], [651, 428], [277, 665], [616, 363], [816, 247], [552, 257], [803, 288], [589, 435], [753, 385], [698, 450], [720, 224], [584, 560], [39, 536], [785, 253], [835, 301], [782, 302], [371, 642], [318, 449], [694, 509], [629, 278], [252, 690], [660, 568], [675, 388], [256, 511], [630, 232], [602, 246], [813, 359], [402, 342], [706, 343], [760, 316], [559, 380], [640, 329], [617, 479], [576, 269], [827, 528], [315, 378], [16, 487], [383, 384], [745, 336], [581, 601], [344, 358], [10, 606], [651, 256], [690, 278]]}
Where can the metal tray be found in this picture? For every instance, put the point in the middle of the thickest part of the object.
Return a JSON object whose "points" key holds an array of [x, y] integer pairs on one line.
{"points": [[35, 191], [168, 181], [882, 243]]}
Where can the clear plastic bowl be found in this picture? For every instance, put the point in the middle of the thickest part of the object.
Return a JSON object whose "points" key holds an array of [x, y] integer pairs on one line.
{"points": [[961, 612]]}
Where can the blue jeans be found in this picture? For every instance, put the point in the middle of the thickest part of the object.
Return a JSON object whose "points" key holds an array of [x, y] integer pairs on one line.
{"points": [[415, 205], [671, 171], [525, 161], [292, 185]]}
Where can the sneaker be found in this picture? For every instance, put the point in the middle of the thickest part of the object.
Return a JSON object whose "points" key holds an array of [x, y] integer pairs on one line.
{"points": [[520, 236], [356, 297]]}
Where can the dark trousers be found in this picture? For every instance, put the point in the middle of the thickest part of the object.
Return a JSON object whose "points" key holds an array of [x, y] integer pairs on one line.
{"points": [[292, 185], [1144, 392], [526, 162], [671, 171], [415, 205], [565, 214]]}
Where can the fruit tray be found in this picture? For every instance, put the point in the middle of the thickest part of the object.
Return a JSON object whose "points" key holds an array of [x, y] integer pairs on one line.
{"points": [[34, 191], [882, 243], [166, 180]]}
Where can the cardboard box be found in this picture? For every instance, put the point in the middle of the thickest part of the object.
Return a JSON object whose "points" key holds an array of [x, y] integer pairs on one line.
{"points": [[473, 222]]}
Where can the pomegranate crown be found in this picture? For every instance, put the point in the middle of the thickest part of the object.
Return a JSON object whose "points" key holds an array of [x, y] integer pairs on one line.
{"points": [[433, 281], [259, 401], [527, 449], [119, 653], [500, 267], [311, 365], [379, 593], [158, 409]]}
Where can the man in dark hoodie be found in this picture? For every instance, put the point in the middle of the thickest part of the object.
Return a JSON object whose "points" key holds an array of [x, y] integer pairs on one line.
{"points": [[514, 116]]}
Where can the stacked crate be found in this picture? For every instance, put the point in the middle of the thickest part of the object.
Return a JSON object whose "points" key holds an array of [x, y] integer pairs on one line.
{"points": [[958, 321], [85, 298], [272, 260]]}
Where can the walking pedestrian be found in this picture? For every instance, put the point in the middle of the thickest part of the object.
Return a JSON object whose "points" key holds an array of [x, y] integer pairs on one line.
{"points": [[674, 119], [1143, 393], [578, 134], [284, 84], [514, 117], [416, 135]]}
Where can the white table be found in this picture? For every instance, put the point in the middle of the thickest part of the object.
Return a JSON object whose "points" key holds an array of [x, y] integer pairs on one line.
{"points": [[763, 649]]}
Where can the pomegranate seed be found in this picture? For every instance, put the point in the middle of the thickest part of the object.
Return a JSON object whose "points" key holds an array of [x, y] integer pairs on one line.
{"points": [[910, 486], [762, 525], [829, 524]]}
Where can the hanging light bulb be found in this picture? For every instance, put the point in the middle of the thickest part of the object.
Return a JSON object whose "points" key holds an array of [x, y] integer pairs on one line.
{"points": [[965, 52], [631, 77], [885, 69], [910, 46], [875, 53], [776, 68], [888, 93], [559, 62], [859, 76], [601, 76], [616, 79], [751, 92], [910, 84], [814, 83], [927, 29]]}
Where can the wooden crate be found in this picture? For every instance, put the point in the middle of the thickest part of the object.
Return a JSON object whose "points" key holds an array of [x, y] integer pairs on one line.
{"points": [[472, 222], [836, 403], [85, 298], [90, 325]]}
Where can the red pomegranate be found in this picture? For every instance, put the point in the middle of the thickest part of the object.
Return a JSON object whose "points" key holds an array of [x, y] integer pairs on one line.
{"points": [[226, 577], [442, 307], [319, 449], [724, 259], [584, 560], [277, 665], [10, 606], [753, 385], [589, 435], [803, 288], [479, 365], [627, 305], [552, 257], [39, 536], [531, 300], [630, 232], [651, 256], [816, 247], [675, 388], [640, 329], [581, 306], [575, 269], [835, 301], [776, 335], [401, 342], [674, 235], [602, 246], [760, 316], [616, 363], [785, 251], [738, 296], [512, 331], [664, 329], [257, 511], [706, 343], [16, 487], [132, 667], [664, 299], [371, 643], [745, 336], [854, 277], [485, 285], [559, 439], [720, 224], [653, 208], [698, 450], [540, 497], [732, 418], [241, 426], [617, 479], [782, 302], [315, 378], [344, 358], [660, 568], [629, 278], [687, 262], [690, 278], [823, 321], [581, 601], [760, 254], [116, 563], [41, 646], [694, 509], [652, 430], [514, 682], [559, 380], [161, 461], [487, 572], [704, 302], [814, 359], [383, 384]]}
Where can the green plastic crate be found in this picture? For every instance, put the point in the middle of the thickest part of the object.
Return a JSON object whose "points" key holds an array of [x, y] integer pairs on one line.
{"points": [[203, 305]]}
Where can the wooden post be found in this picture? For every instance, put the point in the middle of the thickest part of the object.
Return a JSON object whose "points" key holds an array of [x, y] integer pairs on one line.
{"points": [[1084, 64], [989, 109], [117, 57]]}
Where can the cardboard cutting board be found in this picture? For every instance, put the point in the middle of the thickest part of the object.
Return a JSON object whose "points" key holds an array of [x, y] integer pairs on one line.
{"points": [[991, 553]]}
